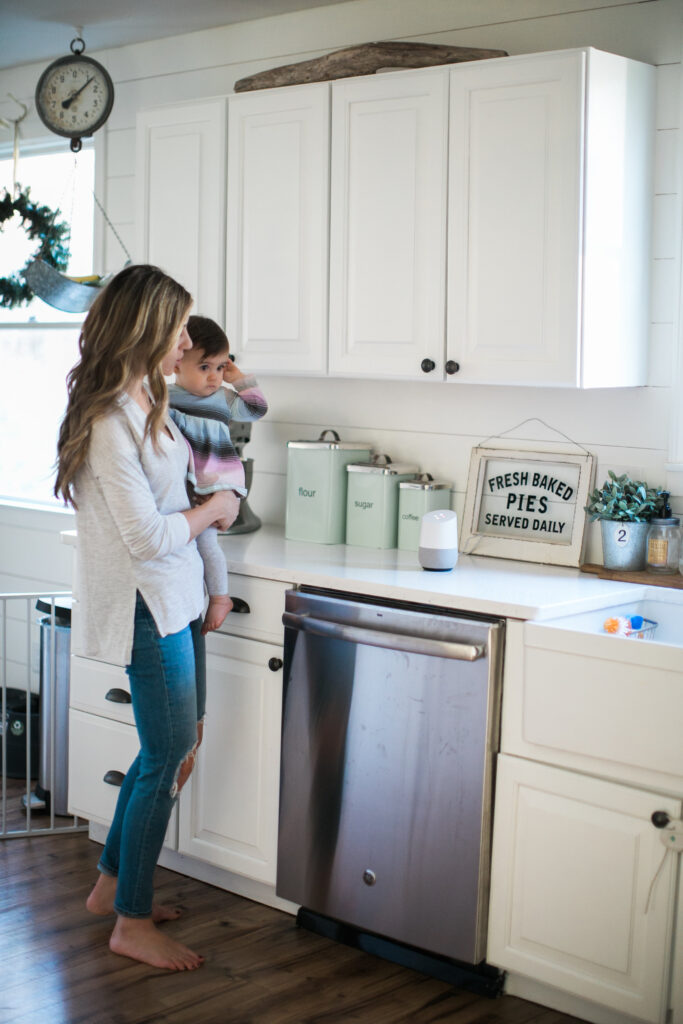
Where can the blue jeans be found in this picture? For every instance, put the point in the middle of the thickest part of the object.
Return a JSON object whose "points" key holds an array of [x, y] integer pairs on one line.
{"points": [[168, 690]]}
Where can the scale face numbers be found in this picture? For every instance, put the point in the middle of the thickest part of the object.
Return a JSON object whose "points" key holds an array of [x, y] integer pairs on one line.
{"points": [[74, 97]]}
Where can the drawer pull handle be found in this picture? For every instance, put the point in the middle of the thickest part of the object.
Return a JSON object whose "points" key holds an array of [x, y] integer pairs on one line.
{"points": [[240, 607], [118, 696], [660, 819], [275, 664], [113, 778]]}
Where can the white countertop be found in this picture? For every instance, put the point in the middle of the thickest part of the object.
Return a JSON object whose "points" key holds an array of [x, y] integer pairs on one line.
{"points": [[489, 586], [480, 584]]}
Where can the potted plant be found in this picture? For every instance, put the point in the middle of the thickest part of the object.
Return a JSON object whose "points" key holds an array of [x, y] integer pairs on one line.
{"points": [[624, 508]]}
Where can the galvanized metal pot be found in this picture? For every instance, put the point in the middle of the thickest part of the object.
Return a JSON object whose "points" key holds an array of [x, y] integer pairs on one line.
{"points": [[623, 544]]}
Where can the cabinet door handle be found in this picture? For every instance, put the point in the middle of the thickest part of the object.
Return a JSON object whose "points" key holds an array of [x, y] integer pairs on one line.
{"points": [[240, 607], [275, 664], [660, 819], [113, 778], [452, 366], [118, 696], [427, 365]]}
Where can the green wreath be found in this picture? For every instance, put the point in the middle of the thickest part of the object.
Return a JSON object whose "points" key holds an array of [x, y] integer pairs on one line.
{"points": [[38, 222]]}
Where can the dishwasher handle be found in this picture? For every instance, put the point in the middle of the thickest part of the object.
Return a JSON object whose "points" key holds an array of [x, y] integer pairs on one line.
{"points": [[393, 641]]}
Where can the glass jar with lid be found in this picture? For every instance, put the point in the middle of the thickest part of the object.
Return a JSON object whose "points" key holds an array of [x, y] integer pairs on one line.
{"points": [[664, 541]]}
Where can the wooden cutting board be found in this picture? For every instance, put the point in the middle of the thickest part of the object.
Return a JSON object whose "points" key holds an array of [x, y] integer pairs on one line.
{"points": [[650, 579], [365, 59]]}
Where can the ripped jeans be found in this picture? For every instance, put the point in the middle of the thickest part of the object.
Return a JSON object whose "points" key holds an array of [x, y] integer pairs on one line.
{"points": [[168, 689]]}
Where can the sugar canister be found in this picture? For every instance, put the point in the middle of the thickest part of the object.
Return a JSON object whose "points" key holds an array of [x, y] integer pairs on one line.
{"points": [[372, 501]]}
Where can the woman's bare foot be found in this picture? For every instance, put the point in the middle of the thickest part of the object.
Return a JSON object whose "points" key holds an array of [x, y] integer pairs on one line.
{"points": [[140, 939], [101, 901]]}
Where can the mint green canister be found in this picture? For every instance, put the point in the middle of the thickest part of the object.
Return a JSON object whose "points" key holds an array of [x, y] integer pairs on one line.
{"points": [[372, 501], [316, 487], [416, 497]]}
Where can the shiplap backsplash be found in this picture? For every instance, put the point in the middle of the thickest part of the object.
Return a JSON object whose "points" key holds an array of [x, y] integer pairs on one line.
{"points": [[433, 424]]}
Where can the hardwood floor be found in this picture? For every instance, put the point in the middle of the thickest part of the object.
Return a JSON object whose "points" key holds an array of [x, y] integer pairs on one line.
{"points": [[260, 968]]}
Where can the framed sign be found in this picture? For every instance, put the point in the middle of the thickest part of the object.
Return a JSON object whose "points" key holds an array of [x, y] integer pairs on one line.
{"points": [[527, 505]]}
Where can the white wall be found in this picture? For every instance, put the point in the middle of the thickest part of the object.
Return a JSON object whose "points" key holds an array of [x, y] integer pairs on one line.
{"points": [[434, 425]]}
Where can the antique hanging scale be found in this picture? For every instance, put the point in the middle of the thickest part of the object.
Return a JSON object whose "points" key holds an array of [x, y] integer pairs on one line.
{"points": [[74, 95]]}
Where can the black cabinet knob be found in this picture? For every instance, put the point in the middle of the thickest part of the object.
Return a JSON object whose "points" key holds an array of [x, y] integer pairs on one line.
{"points": [[660, 819], [275, 664], [117, 696], [452, 366], [427, 365], [113, 778], [239, 607]]}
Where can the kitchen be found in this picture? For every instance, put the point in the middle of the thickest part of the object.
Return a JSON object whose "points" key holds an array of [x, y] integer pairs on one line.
{"points": [[633, 429]]}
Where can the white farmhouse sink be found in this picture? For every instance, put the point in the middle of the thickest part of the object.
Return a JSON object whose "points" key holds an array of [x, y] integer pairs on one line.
{"points": [[661, 605]]}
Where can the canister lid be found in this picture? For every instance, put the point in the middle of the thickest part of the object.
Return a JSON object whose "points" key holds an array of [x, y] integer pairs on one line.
{"points": [[387, 467], [357, 446], [425, 482]]}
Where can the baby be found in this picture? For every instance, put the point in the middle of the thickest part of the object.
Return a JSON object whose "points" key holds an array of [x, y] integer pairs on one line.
{"points": [[202, 409]]}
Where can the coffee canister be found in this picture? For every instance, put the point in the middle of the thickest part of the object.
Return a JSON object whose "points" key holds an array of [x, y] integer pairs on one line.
{"points": [[316, 487], [416, 497], [372, 501]]}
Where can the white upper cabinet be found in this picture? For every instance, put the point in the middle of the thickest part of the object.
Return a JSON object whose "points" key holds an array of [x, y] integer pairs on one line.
{"points": [[278, 199], [388, 224], [549, 220], [180, 179]]}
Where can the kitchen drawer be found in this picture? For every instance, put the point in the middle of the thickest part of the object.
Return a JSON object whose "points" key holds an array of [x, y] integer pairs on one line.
{"points": [[265, 603], [598, 703], [100, 689], [98, 746]]}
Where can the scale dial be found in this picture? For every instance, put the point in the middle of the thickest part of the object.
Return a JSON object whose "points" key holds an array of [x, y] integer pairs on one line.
{"points": [[74, 96]]}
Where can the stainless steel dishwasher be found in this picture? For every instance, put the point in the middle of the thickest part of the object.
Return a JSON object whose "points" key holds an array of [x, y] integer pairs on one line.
{"points": [[390, 727]]}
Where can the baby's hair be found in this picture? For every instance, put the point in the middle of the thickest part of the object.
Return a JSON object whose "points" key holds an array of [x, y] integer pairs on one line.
{"points": [[207, 336]]}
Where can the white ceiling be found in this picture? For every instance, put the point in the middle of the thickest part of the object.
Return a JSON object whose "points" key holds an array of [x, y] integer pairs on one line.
{"points": [[35, 30]]}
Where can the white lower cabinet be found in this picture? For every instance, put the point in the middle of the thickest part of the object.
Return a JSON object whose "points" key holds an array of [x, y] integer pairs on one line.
{"points": [[229, 810], [582, 888]]}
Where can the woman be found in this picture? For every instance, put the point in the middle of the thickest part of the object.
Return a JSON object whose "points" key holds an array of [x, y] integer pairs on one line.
{"points": [[122, 464]]}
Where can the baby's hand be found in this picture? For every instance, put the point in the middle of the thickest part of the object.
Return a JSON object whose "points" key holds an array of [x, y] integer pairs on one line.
{"points": [[215, 613], [231, 372]]}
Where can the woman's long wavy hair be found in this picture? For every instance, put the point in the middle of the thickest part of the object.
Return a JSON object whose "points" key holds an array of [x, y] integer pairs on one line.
{"points": [[131, 326]]}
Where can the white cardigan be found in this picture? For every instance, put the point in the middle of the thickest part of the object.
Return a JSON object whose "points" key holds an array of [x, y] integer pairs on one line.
{"points": [[132, 535]]}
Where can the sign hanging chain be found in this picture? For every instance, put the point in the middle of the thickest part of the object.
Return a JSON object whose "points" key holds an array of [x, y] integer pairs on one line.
{"points": [[535, 419]]}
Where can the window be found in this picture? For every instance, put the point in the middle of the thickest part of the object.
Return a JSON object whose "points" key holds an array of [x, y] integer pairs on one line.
{"points": [[39, 344], [61, 180]]}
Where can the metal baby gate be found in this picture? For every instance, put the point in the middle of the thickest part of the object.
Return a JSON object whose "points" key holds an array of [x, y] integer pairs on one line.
{"points": [[34, 708]]}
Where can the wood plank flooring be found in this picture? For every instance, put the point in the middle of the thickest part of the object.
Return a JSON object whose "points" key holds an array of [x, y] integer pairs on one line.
{"points": [[56, 968]]}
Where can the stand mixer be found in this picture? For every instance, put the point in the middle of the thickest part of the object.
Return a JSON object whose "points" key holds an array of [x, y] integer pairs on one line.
{"points": [[247, 521]]}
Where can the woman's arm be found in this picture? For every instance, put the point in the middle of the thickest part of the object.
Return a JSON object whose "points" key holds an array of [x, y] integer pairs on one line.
{"points": [[220, 509]]}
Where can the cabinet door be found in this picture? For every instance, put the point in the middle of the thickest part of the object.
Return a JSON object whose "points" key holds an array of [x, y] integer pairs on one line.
{"points": [[515, 219], [573, 862], [181, 197], [228, 817], [278, 195], [387, 225]]}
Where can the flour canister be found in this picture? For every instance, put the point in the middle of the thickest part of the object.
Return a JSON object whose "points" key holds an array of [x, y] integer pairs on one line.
{"points": [[316, 487], [416, 497], [372, 501]]}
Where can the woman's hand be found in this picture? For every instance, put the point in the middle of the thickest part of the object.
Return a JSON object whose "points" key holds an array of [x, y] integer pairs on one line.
{"points": [[228, 509], [217, 609]]}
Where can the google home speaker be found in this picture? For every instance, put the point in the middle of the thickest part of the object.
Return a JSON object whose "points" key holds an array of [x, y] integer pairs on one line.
{"points": [[438, 548]]}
